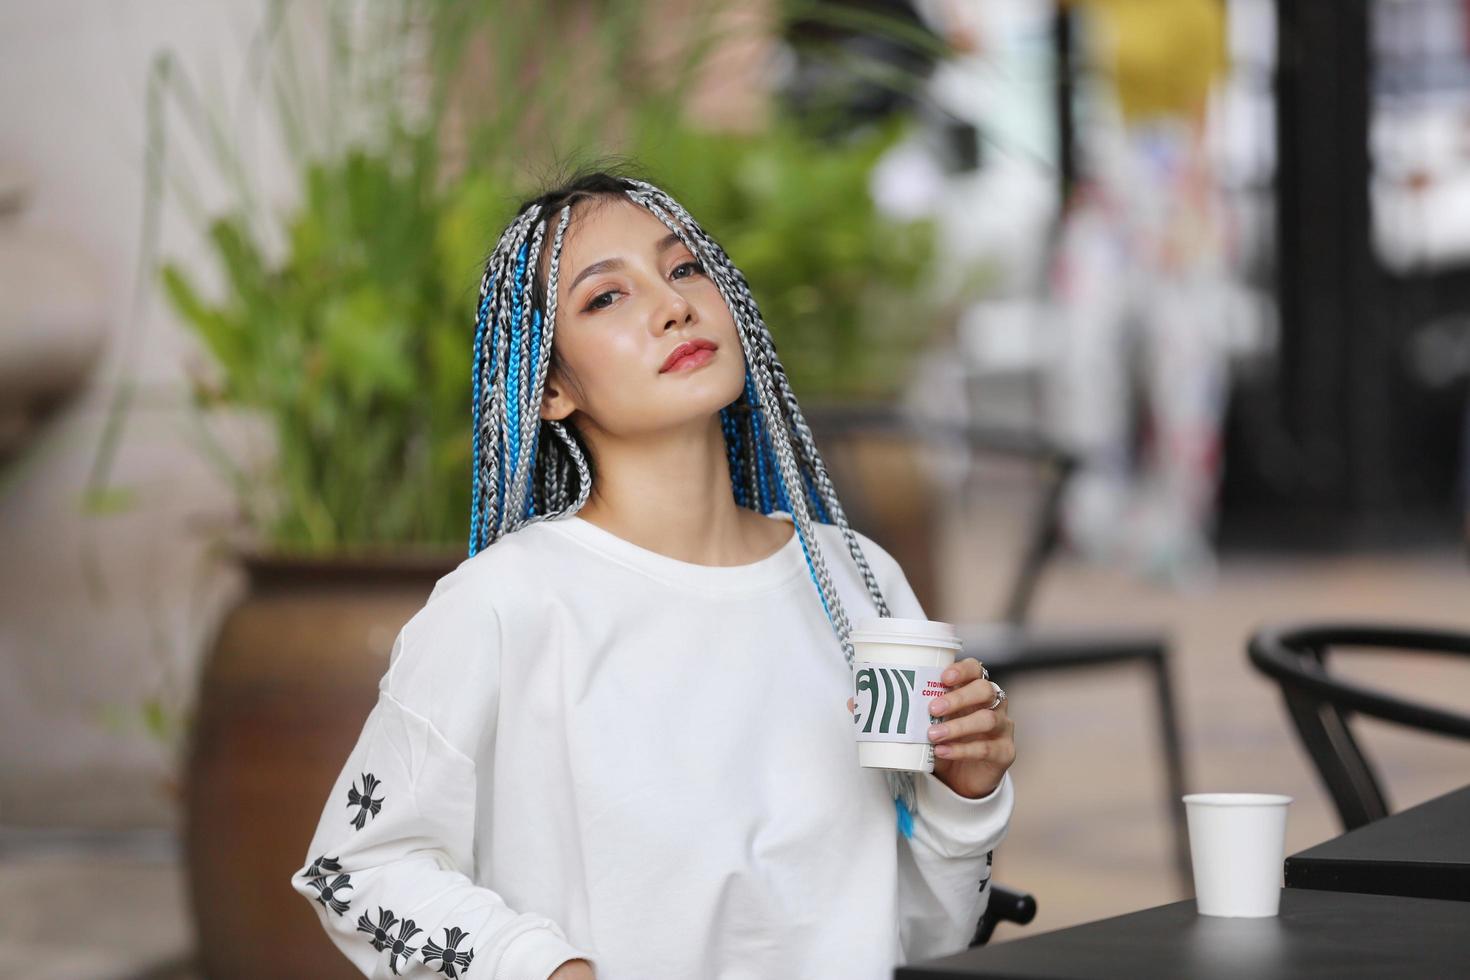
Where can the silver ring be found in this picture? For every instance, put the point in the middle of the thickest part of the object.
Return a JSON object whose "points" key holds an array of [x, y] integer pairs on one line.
{"points": [[984, 673], [1000, 695]]}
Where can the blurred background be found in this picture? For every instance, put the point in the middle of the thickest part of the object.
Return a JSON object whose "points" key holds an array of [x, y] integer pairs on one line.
{"points": [[1126, 325]]}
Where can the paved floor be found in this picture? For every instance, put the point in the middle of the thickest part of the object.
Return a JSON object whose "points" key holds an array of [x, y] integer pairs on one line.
{"points": [[84, 907], [1089, 838]]}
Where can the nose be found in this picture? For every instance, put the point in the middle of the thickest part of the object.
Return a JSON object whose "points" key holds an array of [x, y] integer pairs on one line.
{"points": [[674, 310]]}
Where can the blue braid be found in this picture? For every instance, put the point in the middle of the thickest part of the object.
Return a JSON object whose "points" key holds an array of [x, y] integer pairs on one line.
{"points": [[762, 489], [782, 501], [732, 450], [761, 486], [481, 320], [536, 432], [512, 383], [905, 818], [816, 498]]}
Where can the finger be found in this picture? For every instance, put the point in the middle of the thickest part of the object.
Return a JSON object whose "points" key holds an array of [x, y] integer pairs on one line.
{"points": [[977, 693], [999, 752], [955, 677], [961, 672], [1001, 709], [978, 724], [852, 704], [965, 751]]}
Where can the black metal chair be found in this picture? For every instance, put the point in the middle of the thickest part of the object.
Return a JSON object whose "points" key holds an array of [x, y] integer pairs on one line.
{"points": [[1005, 906], [1321, 704]]}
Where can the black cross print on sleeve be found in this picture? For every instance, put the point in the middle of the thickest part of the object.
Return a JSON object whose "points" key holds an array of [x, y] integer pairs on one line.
{"points": [[399, 946], [321, 866], [364, 800], [329, 893], [450, 959], [379, 933]]}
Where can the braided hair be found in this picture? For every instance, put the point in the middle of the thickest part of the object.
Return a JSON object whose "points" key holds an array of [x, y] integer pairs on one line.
{"points": [[528, 469]]}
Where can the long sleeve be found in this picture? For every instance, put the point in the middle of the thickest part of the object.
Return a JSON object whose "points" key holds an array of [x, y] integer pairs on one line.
{"points": [[389, 867], [944, 869], [944, 872]]}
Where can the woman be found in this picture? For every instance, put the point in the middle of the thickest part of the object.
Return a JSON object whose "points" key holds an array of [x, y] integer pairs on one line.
{"points": [[610, 744]]}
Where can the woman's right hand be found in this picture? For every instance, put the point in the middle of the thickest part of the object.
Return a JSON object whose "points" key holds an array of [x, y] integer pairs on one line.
{"points": [[573, 970]]}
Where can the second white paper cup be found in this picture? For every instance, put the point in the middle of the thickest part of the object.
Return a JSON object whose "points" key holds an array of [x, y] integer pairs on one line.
{"points": [[1237, 844], [896, 668]]}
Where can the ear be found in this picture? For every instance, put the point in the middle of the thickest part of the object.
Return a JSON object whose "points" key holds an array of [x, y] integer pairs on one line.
{"points": [[556, 399]]}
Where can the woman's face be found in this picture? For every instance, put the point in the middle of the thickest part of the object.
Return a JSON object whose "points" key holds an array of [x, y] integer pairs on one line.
{"points": [[629, 293]]}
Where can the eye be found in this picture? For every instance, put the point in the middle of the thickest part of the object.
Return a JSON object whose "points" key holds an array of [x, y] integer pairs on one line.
{"points": [[596, 302], [691, 264]]}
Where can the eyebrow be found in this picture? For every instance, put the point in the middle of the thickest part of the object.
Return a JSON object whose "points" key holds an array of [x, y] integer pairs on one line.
{"points": [[664, 244]]}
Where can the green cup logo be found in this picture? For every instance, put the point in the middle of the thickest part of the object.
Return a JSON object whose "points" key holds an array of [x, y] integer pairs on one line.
{"points": [[894, 679], [893, 701]]}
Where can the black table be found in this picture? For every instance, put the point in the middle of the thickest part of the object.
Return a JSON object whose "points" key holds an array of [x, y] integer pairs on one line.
{"points": [[1422, 852], [1331, 935]]}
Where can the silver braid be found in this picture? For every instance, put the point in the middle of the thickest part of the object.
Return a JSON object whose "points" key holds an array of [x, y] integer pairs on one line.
{"points": [[532, 363]]}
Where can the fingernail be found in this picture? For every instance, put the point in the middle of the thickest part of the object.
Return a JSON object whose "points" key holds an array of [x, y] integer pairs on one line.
{"points": [[949, 676], [942, 750], [937, 707], [936, 732]]}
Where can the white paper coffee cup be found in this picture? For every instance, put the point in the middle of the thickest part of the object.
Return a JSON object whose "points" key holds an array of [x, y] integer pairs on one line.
{"points": [[897, 664], [1237, 845]]}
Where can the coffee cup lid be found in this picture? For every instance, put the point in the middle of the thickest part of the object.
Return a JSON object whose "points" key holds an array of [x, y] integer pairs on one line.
{"points": [[877, 629]]}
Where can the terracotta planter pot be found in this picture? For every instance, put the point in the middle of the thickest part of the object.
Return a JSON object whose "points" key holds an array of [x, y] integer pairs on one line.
{"points": [[284, 693]]}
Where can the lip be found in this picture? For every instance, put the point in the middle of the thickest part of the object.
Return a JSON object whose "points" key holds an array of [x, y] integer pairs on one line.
{"points": [[687, 348]]}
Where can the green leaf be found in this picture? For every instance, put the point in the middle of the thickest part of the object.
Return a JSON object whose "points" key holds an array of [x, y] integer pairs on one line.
{"points": [[158, 721], [109, 500]]}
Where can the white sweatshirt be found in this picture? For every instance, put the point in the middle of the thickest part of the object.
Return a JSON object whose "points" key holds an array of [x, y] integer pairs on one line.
{"points": [[583, 748]]}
